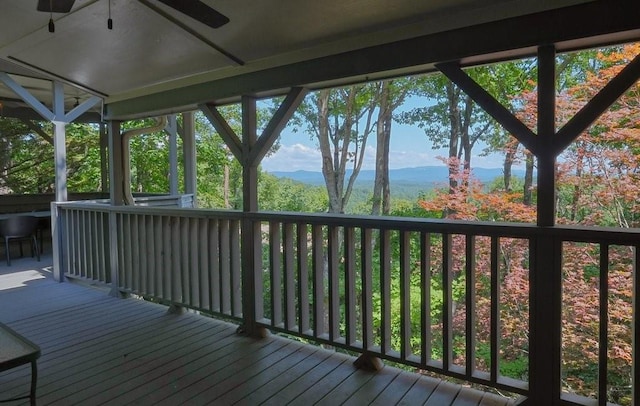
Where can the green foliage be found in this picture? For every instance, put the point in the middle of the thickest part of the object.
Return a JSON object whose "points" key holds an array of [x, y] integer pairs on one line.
{"points": [[287, 195]]}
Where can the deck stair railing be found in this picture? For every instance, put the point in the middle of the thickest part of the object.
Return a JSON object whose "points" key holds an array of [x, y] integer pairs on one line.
{"points": [[428, 294]]}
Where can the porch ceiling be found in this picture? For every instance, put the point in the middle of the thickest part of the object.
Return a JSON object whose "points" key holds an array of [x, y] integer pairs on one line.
{"points": [[157, 60]]}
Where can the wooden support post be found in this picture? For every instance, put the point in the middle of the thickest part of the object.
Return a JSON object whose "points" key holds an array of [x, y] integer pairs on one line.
{"points": [[116, 176], [368, 362], [251, 240], [116, 194], [545, 292], [104, 165], [250, 151], [189, 154], [545, 321], [172, 131], [56, 243]]}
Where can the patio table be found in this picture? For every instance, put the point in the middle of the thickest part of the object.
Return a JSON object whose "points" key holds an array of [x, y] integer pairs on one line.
{"points": [[16, 350]]}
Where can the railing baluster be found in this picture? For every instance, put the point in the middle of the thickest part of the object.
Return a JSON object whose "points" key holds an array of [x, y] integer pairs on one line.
{"points": [[289, 277], [143, 269], [495, 310], [367, 284], [470, 305], [214, 265], [128, 257], [303, 278], [136, 261], [225, 269], [184, 269], [334, 294], [176, 274], [275, 262], [203, 263], [425, 298], [385, 291], [194, 284], [94, 240], [167, 258], [73, 262], [447, 300], [350, 284], [152, 267], [603, 347], [405, 294], [235, 269], [635, 372], [318, 282], [82, 254]]}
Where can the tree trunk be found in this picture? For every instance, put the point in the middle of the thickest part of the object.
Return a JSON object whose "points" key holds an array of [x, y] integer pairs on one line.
{"points": [[506, 170], [335, 198], [380, 201], [528, 180]]}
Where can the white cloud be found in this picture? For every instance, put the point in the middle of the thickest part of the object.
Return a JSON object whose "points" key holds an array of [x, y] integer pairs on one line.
{"points": [[297, 156], [293, 158]]}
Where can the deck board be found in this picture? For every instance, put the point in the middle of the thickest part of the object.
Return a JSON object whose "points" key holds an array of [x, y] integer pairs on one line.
{"points": [[102, 350]]}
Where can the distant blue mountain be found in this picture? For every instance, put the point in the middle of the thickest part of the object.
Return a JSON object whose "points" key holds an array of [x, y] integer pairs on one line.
{"points": [[422, 175]]}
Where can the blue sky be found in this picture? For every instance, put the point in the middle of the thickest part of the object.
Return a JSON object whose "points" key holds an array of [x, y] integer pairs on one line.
{"points": [[409, 148]]}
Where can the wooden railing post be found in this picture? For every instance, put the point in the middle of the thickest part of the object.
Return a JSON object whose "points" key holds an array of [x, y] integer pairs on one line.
{"points": [[57, 245], [251, 277], [113, 254], [545, 321]]}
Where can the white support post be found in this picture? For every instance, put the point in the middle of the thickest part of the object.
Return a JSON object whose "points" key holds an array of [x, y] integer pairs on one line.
{"points": [[59, 142], [116, 176], [116, 195], [104, 165], [172, 131], [189, 153], [56, 243], [60, 154]]}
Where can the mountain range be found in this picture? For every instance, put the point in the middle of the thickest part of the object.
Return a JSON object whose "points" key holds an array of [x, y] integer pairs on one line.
{"points": [[428, 176]]}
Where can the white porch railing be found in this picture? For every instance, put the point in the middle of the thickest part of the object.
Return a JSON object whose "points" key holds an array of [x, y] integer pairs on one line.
{"points": [[317, 278]]}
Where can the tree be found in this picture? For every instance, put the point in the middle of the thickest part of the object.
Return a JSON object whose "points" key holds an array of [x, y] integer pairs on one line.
{"points": [[341, 120], [390, 95]]}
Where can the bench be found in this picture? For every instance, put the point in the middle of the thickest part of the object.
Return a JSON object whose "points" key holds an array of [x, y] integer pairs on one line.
{"points": [[16, 350]]}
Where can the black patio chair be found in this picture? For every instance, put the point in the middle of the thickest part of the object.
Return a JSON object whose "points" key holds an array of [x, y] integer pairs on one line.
{"points": [[20, 228]]}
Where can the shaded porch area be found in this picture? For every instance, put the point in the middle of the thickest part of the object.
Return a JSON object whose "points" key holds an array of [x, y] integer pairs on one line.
{"points": [[98, 349]]}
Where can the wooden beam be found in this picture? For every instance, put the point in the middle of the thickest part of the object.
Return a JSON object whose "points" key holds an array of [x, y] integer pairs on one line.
{"points": [[27, 97], [277, 123], [595, 107], [587, 25], [81, 109], [38, 130], [493, 107], [249, 139], [223, 128], [545, 154], [186, 28]]}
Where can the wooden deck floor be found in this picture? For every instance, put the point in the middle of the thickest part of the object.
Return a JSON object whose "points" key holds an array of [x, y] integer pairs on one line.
{"points": [[97, 350]]}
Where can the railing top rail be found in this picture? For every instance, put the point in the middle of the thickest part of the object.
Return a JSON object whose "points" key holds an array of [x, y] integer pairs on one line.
{"points": [[154, 210], [587, 234]]}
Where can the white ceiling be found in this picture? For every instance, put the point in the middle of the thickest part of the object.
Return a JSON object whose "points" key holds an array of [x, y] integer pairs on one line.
{"points": [[146, 53]]}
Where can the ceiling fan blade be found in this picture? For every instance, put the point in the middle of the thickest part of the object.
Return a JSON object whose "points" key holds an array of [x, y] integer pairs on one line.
{"points": [[198, 11], [55, 6]]}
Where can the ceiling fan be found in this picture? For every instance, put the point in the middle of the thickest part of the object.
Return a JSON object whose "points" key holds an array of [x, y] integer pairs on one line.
{"points": [[195, 9]]}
